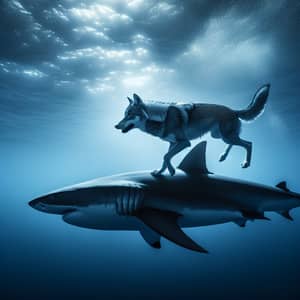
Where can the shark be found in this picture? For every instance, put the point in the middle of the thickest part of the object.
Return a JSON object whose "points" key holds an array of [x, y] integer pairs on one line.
{"points": [[161, 206]]}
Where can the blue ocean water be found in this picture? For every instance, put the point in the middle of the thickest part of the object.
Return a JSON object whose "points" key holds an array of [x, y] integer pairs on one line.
{"points": [[44, 258]]}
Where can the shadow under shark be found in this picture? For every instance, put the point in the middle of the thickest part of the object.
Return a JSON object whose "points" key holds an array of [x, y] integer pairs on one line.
{"points": [[161, 206]]}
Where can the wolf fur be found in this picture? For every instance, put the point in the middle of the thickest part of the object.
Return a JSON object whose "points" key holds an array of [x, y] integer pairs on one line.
{"points": [[179, 123]]}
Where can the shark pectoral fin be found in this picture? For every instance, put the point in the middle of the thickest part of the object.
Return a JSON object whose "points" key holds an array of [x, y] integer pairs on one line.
{"points": [[195, 161], [286, 214], [282, 185], [150, 236], [165, 224]]}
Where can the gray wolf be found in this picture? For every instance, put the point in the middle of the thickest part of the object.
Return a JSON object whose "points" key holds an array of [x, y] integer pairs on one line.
{"points": [[161, 206], [179, 123]]}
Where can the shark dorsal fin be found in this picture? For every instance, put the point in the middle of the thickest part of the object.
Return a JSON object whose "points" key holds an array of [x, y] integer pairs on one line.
{"points": [[195, 161]]}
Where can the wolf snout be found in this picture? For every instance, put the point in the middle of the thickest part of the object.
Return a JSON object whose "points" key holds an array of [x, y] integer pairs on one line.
{"points": [[117, 126]]}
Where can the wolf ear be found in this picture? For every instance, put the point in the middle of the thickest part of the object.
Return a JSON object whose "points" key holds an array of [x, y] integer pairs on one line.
{"points": [[137, 99], [130, 100]]}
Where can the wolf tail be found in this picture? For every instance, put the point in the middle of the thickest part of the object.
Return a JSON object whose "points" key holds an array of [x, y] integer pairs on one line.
{"points": [[257, 105]]}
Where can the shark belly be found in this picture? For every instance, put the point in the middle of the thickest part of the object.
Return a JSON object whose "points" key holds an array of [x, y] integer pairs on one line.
{"points": [[204, 217], [102, 217], [282, 203]]}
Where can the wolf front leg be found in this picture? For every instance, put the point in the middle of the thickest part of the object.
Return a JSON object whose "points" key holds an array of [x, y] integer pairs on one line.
{"points": [[164, 165], [174, 148], [179, 146]]}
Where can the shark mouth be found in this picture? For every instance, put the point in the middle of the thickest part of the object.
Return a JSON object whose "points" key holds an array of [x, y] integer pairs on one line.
{"points": [[126, 129]]}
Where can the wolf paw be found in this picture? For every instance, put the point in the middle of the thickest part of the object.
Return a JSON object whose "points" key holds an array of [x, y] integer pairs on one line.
{"points": [[156, 173], [171, 171], [222, 157], [245, 164]]}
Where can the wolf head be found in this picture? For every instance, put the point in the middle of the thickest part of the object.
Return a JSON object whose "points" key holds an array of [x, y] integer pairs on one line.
{"points": [[135, 114]]}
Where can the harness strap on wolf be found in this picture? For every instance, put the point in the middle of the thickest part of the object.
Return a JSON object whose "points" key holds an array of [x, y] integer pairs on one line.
{"points": [[157, 111], [179, 113]]}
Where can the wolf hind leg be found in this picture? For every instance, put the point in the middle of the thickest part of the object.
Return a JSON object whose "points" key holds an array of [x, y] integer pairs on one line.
{"points": [[224, 155], [230, 131], [237, 141], [248, 146]]}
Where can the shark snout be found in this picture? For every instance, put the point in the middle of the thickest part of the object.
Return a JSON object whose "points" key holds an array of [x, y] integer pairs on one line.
{"points": [[38, 204], [32, 203], [51, 204], [42, 200]]}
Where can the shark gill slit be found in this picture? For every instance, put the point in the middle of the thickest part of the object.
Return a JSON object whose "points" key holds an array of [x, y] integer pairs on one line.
{"points": [[128, 200]]}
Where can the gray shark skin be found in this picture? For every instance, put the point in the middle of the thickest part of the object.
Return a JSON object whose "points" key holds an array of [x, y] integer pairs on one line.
{"points": [[161, 206]]}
